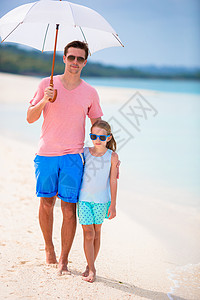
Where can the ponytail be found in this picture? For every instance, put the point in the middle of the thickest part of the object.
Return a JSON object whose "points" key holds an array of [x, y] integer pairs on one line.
{"points": [[111, 144]]}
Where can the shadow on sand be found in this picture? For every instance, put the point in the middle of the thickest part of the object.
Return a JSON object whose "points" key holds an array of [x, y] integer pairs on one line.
{"points": [[132, 289]]}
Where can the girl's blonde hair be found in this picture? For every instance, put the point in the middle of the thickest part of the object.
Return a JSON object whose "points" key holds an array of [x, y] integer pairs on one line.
{"points": [[104, 125]]}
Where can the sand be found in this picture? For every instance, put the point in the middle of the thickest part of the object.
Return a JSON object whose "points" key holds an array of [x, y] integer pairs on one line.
{"points": [[19, 89], [130, 264], [133, 263]]}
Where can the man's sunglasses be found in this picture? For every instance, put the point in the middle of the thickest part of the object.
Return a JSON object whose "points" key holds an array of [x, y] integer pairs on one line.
{"points": [[80, 59], [101, 137]]}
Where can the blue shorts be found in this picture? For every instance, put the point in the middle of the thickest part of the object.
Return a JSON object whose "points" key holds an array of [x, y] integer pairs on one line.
{"points": [[59, 175], [92, 213]]}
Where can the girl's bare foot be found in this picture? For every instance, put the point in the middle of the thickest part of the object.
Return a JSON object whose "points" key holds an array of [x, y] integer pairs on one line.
{"points": [[86, 273], [50, 256], [63, 270], [91, 277]]}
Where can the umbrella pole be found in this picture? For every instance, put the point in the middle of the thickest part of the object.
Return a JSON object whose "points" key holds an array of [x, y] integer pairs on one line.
{"points": [[53, 63]]}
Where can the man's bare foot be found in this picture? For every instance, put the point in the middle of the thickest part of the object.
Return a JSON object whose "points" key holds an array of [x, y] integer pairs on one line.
{"points": [[50, 256], [86, 273], [91, 277], [63, 270]]}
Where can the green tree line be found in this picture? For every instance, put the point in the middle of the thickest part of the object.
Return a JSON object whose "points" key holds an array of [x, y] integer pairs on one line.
{"points": [[19, 61]]}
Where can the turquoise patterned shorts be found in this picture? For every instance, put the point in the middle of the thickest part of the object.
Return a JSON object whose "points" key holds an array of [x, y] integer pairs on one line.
{"points": [[92, 213]]}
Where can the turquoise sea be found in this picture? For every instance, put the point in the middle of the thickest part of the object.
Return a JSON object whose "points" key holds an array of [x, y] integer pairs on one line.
{"points": [[173, 86], [167, 147]]}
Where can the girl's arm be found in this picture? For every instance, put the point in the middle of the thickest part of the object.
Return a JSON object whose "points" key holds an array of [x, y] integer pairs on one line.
{"points": [[113, 185]]}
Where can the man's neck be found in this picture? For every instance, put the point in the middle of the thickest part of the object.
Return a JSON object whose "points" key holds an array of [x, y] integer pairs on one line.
{"points": [[70, 81]]}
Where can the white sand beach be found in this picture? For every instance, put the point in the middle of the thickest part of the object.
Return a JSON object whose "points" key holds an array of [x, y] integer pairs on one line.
{"points": [[133, 262]]}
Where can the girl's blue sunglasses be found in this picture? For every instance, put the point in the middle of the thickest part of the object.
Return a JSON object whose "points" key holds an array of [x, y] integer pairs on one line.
{"points": [[101, 137]]}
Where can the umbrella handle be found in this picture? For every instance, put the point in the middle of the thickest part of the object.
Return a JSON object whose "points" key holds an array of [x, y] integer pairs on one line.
{"points": [[54, 96], [52, 70]]}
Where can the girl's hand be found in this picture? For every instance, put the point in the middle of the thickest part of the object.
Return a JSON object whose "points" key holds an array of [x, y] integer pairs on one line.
{"points": [[111, 212]]}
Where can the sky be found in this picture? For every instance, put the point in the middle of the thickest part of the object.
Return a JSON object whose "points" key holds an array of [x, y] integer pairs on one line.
{"points": [[154, 32]]}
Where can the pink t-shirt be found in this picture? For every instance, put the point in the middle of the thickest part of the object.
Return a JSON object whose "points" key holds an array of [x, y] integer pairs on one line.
{"points": [[63, 128]]}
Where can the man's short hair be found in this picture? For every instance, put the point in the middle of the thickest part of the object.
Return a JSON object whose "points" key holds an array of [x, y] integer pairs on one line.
{"points": [[79, 45]]}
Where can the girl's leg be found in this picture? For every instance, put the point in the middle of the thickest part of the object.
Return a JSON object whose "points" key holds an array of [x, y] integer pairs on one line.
{"points": [[97, 239], [89, 235]]}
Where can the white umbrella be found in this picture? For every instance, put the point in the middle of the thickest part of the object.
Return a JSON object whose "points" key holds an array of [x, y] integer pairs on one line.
{"points": [[36, 25], [33, 24]]}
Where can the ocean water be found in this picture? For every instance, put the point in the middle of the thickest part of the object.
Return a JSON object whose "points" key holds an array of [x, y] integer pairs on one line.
{"points": [[173, 86], [185, 282], [161, 142]]}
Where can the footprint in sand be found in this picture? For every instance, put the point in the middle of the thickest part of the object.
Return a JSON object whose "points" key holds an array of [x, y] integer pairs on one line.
{"points": [[23, 262]]}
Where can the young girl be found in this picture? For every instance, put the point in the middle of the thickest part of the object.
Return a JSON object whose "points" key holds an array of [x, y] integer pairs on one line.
{"points": [[97, 198]]}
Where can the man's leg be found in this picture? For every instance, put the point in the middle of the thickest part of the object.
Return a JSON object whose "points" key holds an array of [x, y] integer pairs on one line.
{"points": [[67, 234], [46, 224]]}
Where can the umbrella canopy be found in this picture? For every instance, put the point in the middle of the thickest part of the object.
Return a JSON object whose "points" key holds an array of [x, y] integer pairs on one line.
{"points": [[34, 25]]}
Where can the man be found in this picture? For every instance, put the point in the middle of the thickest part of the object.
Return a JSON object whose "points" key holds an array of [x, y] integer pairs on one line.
{"points": [[59, 161]]}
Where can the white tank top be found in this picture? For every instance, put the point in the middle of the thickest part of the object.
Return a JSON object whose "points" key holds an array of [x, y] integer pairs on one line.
{"points": [[95, 185]]}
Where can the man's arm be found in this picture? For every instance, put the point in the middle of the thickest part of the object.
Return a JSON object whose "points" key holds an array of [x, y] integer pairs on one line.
{"points": [[94, 120], [113, 185], [34, 111]]}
